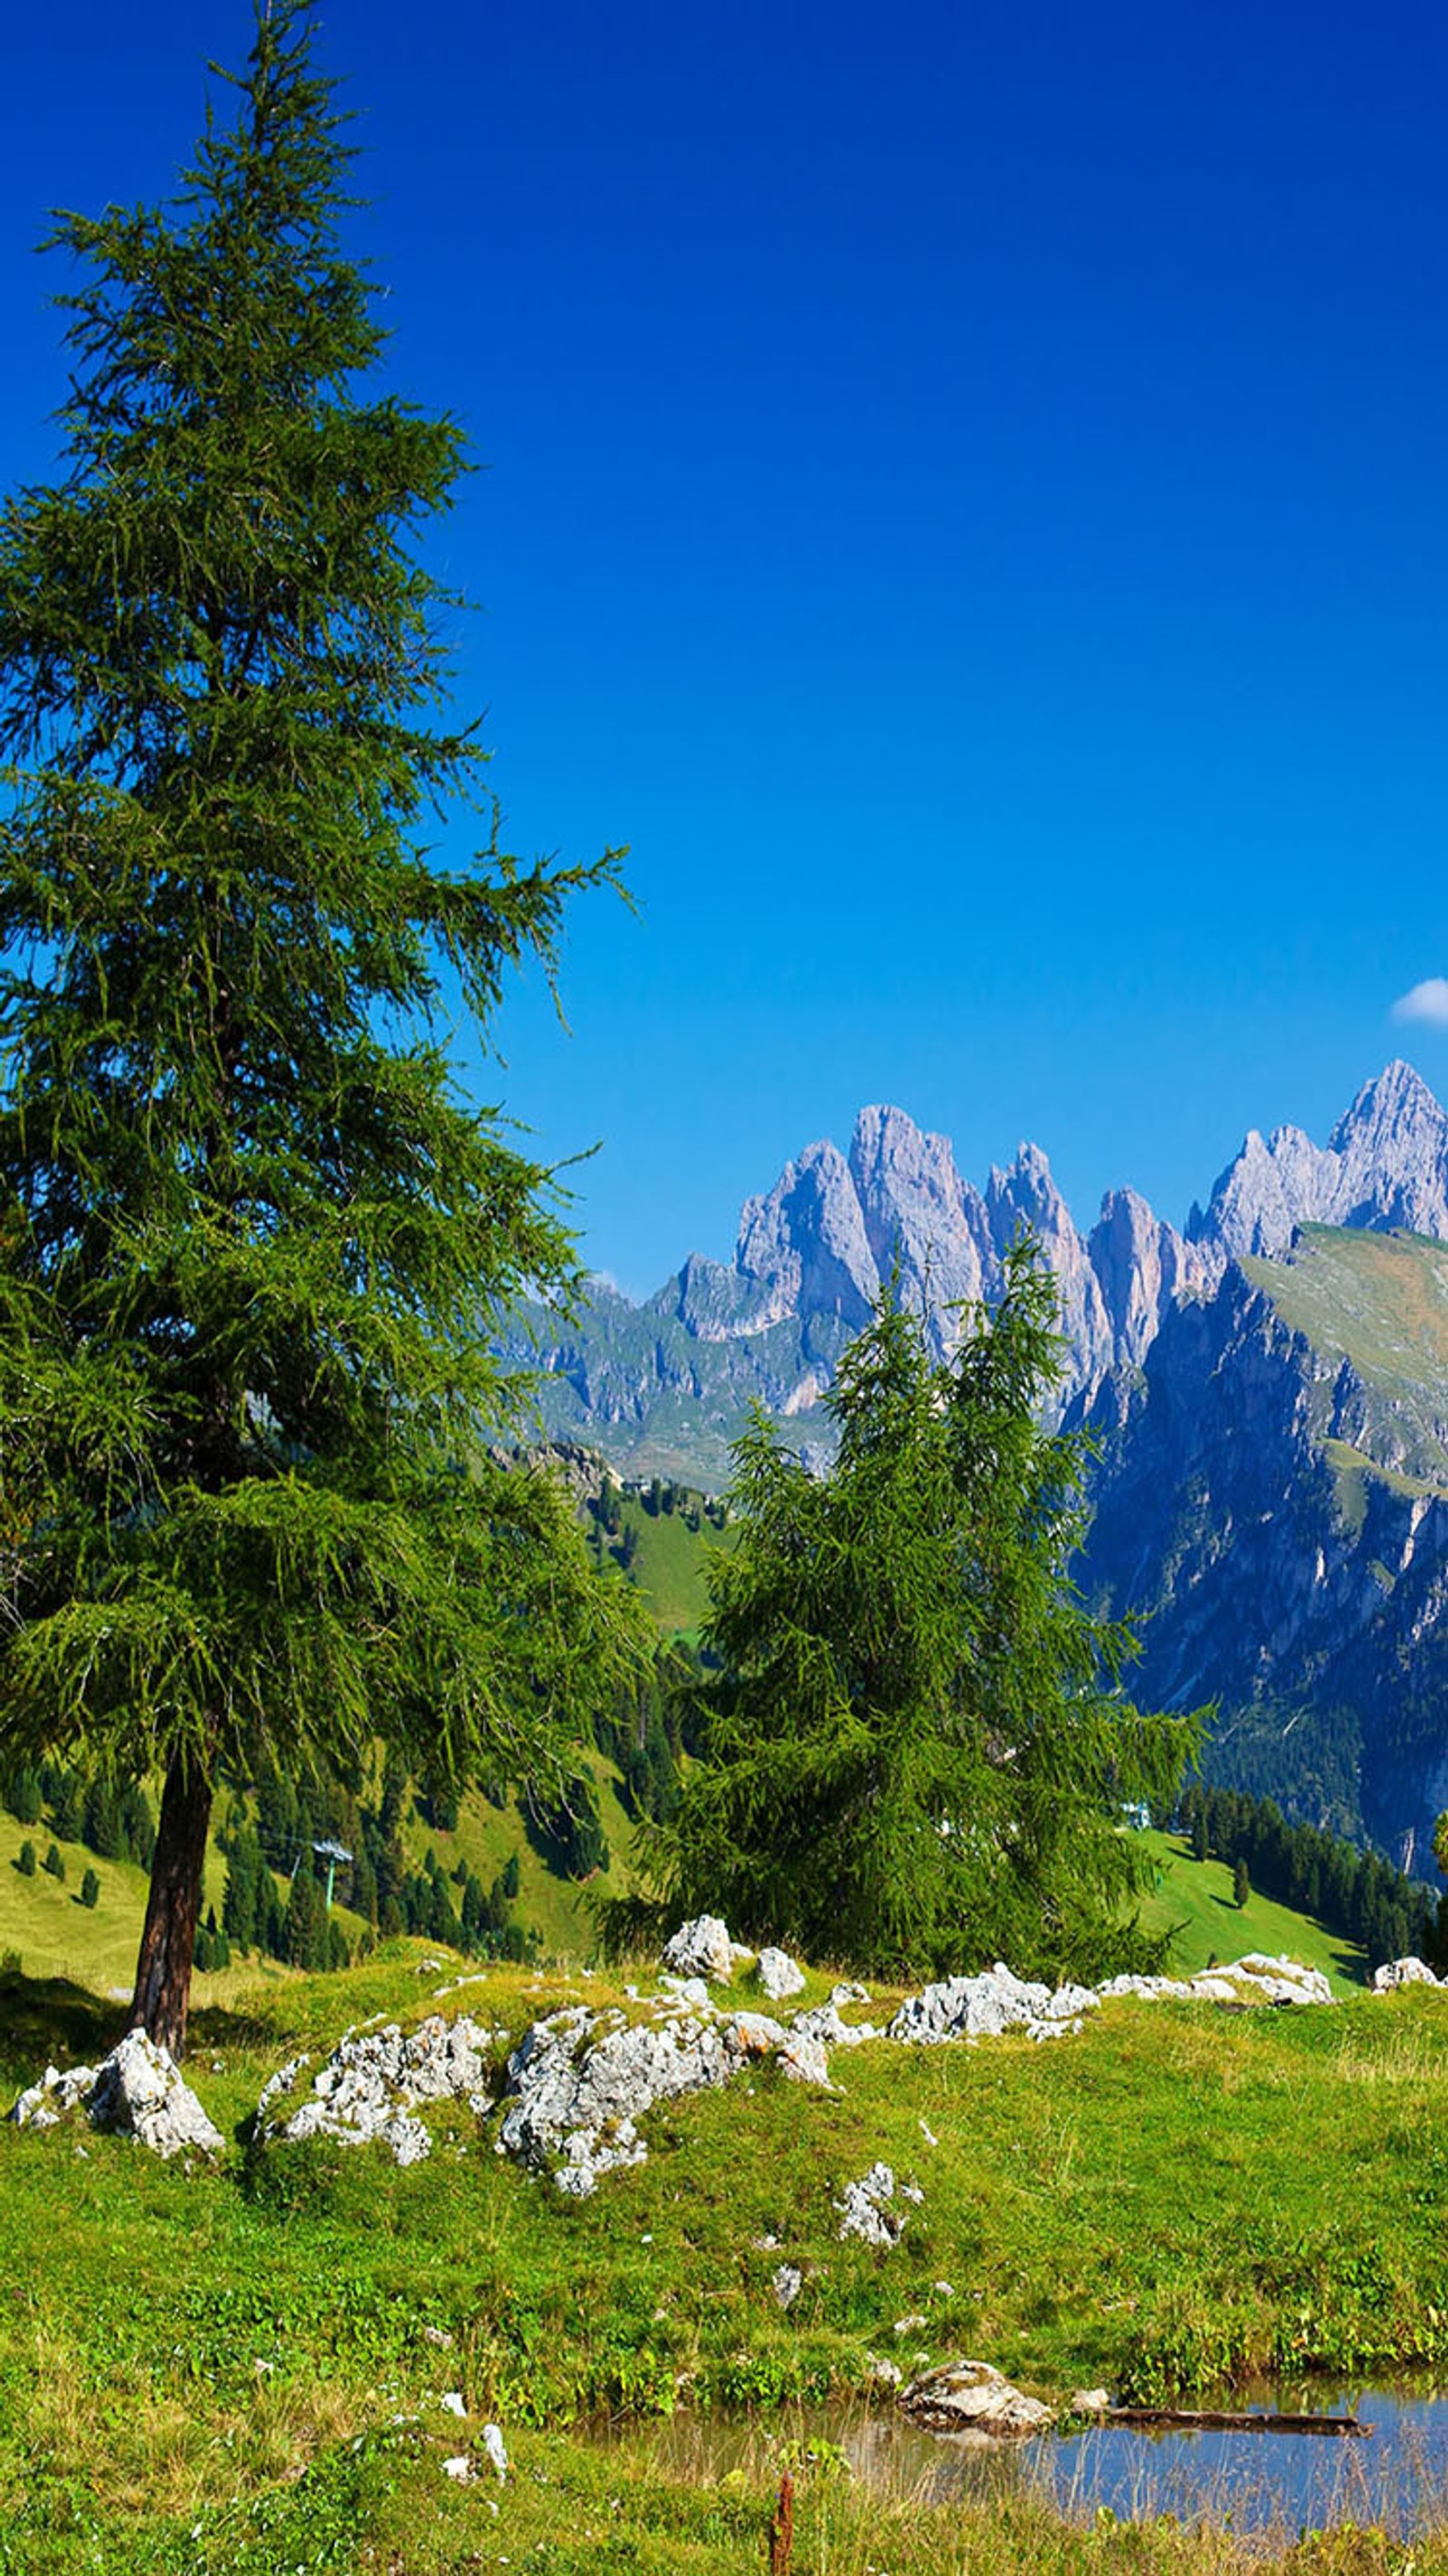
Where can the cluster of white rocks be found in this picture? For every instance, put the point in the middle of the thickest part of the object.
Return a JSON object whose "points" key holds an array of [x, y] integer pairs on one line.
{"points": [[137, 2091], [578, 2082], [373, 2082]]}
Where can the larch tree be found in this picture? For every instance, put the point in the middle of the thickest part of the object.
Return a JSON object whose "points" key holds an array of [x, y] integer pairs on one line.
{"points": [[919, 1750], [253, 1237]]}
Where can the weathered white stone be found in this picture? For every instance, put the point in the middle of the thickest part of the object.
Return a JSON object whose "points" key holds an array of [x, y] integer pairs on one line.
{"points": [[494, 2451], [702, 1948], [373, 2082], [865, 2209], [787, 2284], [1254, 1979], [982, 2007], [137, 2091], [778, 1974], [971, 2397], [823, 2024], [803, 2060], [1402, 1972], [1089, 2401]]}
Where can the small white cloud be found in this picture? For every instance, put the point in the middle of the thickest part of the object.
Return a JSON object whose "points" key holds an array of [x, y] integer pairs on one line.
{"points": [[1427, 1002]]}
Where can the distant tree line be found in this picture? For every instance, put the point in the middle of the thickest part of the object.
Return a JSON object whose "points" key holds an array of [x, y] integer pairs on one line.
{"points": [[116, 1823], [1356, 1894]]}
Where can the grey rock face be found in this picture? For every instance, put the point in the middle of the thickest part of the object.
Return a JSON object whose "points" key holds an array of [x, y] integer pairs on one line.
{"points": [[805, 1245], [971, 2397], [374, 2081], [137, 2091]]}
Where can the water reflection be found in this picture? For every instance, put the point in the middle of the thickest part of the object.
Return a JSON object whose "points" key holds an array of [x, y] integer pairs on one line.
{"points": [[1397, 2476]]}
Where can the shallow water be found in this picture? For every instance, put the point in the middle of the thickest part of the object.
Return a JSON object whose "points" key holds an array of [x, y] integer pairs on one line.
{"points": [[1396, 2476]]}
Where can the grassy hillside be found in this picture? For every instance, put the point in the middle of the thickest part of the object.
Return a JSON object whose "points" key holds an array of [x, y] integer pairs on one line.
{"points": [[1157, 2203], [1197, 1897], [1380, 1301], [668, 1559]]}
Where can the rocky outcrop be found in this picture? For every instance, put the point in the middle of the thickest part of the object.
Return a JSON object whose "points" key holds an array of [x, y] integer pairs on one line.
{"points": [[1402, 1972], [983, 2007], [703, 1948], [136, 2092], [579, 2082], [374, 2082]]}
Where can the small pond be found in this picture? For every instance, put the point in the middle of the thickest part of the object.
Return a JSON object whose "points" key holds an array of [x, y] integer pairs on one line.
{"points": [[1396, 2475]]}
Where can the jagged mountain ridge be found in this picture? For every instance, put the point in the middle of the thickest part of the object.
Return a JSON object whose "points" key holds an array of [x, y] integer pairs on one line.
{"points": [[664, 1386]]}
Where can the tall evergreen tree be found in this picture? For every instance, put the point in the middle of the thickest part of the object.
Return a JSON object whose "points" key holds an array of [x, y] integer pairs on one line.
{"points": [[251, 1236], [919, 1749]]}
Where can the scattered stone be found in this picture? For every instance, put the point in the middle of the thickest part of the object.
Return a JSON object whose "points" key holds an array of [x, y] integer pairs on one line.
{"points": [[778, 1974], [909, 2325], [137, 2091], [703, 1948], [984, 2006], [927, 2133], [374, 2080], [494, 2451], [460, 2469], [1402, 1972], [823, 2024], [438, 2335], [1090, 2401], [971, 2397], [849, 1993], [787, 2284], [454, 2402], [883, 2373], [865, 2210], [1254, 1979]]}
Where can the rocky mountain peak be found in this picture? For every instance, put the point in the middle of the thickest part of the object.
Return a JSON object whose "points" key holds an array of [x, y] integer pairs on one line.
{"points": [[1385, 1164]]}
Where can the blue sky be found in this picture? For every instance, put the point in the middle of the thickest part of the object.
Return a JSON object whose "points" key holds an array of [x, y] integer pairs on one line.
{"points": [[965, 503]]}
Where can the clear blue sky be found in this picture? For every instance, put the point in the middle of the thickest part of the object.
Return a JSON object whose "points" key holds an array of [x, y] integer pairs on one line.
{"points": [[966, 503]]}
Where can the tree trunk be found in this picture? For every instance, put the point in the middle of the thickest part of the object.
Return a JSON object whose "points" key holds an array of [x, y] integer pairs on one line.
{"points": [[163, 1969]]}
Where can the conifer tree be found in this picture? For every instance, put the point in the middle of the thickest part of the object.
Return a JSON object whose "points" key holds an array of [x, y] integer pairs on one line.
{"points": [[919, 1749], [252, 1239]]}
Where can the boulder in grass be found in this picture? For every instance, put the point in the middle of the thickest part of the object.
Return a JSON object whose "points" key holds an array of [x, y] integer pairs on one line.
{"points": [[778, 1974], [137, 2092], [1402, 1972], [971, 2397], [702, 1948]]}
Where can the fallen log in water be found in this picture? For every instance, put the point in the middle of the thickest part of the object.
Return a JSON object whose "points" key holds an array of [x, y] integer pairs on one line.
{"points": [[1185, 2419]]}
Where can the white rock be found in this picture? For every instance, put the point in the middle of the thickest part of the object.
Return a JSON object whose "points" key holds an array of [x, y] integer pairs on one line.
{"points": [[1402, 1972], [1090, 2401], [702, 1948], [579, 2082], [778, 1974], [460, 2469], [494, 2451], [454, 2403], [137, 2091], [865, 2209], [372, 2082], [982, 2007], [822, 2023], [787, 2284], [969, 2396], [803, 2060]]}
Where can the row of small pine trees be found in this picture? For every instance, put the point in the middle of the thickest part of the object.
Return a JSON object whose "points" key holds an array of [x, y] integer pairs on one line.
{"points": [[54, 1867]]}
